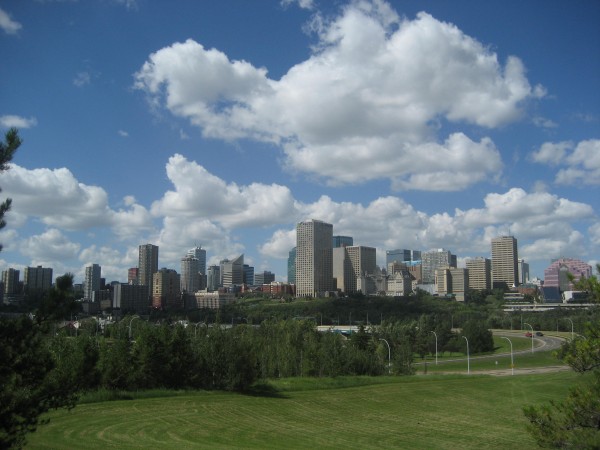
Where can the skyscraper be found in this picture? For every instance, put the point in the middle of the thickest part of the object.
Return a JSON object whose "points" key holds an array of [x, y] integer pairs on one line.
{"points": [[190, 274], [92, 281], [556, 274], [291, 266], [200, 254], [10, 279], [314, 265], [505, 271], [167, 294], [349, 263], [232, 272], [436, 259], [402, 255], [148, 265], [523, 271], [213, 279], [37, 278], [342, 241], [480, 273]]}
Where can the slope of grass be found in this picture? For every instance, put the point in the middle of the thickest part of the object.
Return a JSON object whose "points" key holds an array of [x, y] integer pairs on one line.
{"points": [[412, 412]]}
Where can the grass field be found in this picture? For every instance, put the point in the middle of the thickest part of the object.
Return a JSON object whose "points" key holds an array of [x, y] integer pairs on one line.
{"points": [[411, 412]]}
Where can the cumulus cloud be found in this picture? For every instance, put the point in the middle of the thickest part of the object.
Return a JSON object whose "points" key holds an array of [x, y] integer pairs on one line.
{"points": [[82, 79], [543, 221], [59, 200], [582, 161], [199, 194], [363, 104], [9, 121], [7, 24], [52, 245], [303, 4]]}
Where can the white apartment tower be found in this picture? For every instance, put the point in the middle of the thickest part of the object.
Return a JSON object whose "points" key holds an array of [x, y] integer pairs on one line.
{"points": [[190, 274], [505, 271], [314, 258]]}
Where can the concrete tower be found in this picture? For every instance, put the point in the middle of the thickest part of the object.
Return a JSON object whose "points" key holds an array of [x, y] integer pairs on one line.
{"points": [[314, 266]]}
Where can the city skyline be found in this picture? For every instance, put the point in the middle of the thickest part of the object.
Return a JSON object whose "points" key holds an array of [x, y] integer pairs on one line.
{"points": [[224, 125]]}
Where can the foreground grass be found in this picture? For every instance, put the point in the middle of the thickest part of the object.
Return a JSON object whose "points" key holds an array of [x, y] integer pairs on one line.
{"points": [[348, 412]]}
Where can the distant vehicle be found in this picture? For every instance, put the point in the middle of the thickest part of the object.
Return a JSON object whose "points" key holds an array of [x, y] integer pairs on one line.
{"points": [[528, 334], [539, 333]]}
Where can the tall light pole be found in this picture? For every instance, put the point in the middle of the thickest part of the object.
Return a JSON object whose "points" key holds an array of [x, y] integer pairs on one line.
{"points": [[524, 323], [436, 353], [572, 331], [512, 362], [132, 319], [389, 355], [468, 358]]}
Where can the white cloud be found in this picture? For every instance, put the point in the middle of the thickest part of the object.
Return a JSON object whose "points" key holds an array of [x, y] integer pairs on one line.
{"points": [[123, 133], [52, 245], [82, 79], [542, 122], [9, 121], [303, 4], [59, 200], [582, 161], [199, 194], [362, 105], [7, 24]]}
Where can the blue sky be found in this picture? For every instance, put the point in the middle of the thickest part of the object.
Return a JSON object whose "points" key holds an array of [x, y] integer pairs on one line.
{"points": [[406, 124]]}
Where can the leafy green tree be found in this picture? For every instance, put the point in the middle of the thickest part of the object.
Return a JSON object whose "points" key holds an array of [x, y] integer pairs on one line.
{"points": [[480, 338], [11, 143], [574, 422], [27, 387]]}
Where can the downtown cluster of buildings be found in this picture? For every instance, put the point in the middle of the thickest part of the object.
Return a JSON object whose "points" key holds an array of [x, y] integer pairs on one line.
{"points": [[321, 264]]}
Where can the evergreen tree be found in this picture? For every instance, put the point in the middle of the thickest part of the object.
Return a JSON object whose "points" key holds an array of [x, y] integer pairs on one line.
{"points": [[7, 151]]}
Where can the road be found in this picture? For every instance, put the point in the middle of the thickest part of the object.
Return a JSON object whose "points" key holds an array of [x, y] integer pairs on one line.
{"points": [[541, 344]]}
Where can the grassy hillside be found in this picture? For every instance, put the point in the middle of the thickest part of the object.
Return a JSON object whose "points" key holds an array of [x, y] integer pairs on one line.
{"points": [[413, 412]]}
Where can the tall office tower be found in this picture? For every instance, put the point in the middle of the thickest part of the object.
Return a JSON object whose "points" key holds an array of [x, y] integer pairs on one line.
{"points": [[232, 272], [402, 255], [314, 265], [148, 265], [349, 263], [556, 274], [433, 260], [264, 277], [213, 279], [190, 274], [91, 283], [167, 293], [131, 298], [248, 277], [37, 278], [291, 266], [523, 271], [133, 275], [10, 279], [460, 283], [443, 281], [200, 254], [480, 273], [342, 241], [505, 271]]}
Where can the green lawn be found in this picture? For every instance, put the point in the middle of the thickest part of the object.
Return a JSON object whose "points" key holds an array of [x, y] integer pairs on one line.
{"points": [[411, 412]]}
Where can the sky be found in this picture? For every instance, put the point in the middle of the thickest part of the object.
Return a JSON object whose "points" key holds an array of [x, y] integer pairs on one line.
{"points": [[406, 124]]}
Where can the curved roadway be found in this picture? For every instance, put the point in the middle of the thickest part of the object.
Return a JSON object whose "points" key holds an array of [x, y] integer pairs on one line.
{"points": [[541, 343]]}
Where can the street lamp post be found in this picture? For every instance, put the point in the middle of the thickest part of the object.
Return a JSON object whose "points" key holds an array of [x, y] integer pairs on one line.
{"points": [[132, 319], [468, 358], [525, 323], [512, 362], [436, 352], [389, 355], [572, 331]]}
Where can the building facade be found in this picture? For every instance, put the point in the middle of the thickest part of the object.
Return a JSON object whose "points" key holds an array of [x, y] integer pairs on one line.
{"points": [[505, 256], [131, 298], [291, 266], [264, 277], [314, 258], [232, 272], [190, 274], [37, 278], [91, 283], [148, 265], [433, 260], [349, 263], [167, 289], [213, 278], [480, 273], [342, 241], [556, 275], [11, 281]]}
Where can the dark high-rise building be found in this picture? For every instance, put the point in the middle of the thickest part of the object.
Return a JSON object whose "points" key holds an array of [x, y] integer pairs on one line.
{"points": [[291, 266], [342, 241], [148, 265]]}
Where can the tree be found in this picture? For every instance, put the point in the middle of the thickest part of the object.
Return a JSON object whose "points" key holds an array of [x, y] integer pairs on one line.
{"points": [[7, 150], [575, 422], [27, 389]]}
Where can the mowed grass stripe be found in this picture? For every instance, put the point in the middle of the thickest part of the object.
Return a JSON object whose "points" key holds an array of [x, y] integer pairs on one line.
{"points": [[416, 412]]}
